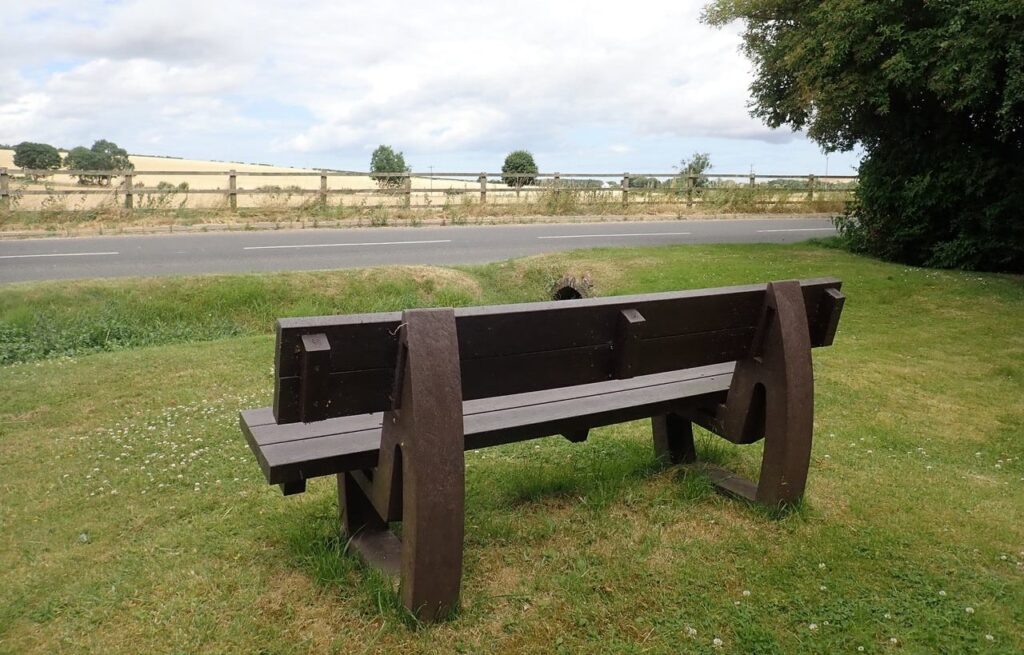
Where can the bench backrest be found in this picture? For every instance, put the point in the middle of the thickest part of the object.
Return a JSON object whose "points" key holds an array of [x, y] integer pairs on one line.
{"points": [[329, 366]]}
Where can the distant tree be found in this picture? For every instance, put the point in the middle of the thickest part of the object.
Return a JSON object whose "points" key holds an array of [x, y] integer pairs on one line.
{"points": [[102, 156], [697, 165], [519, 169], [81, 158], [386, 160], [115, 157], [643, 182], [38, 156]]}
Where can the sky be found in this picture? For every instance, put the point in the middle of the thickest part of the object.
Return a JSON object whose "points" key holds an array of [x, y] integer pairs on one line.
{"points": [[585, 86]]}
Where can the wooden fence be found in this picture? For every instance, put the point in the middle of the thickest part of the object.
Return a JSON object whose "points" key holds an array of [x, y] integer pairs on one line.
{"points": [[397, 189]]}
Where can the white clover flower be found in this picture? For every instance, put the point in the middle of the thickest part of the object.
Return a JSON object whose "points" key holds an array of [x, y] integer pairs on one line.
{"points": [[746, 592], [812, 627], [969, 610], [716, 642]]}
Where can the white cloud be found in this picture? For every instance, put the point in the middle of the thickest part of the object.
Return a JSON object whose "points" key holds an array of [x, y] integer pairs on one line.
{"points": [[431, 77], [18, 116]]}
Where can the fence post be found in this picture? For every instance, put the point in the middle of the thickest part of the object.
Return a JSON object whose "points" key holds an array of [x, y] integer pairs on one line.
{"points": [[129, 197], [323, 189], [483, 188], [233, 190], [810, 187], [625, 189], [555, 182], [691, 181], [753, 180], [407, 190], [5, 190]]}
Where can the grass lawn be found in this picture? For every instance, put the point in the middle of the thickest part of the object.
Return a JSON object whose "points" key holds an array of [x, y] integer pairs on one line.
{"points": [[133, 518]]}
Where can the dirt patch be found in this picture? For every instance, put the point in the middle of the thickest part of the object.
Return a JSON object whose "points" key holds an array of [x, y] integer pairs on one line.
{"points": [[425, 276]]}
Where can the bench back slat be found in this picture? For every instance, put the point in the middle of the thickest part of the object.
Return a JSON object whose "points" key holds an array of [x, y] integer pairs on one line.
{"points": [[506, 349]]}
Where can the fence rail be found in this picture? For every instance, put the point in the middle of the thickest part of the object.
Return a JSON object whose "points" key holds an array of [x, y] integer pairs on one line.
{"points": [[679, 187]]}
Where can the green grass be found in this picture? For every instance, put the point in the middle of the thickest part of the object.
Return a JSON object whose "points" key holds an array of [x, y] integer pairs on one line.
{"points": [[134, 519]]}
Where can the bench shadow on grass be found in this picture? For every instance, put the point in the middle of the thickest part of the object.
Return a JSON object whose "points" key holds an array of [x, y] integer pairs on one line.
{"points": [[516, 496]]}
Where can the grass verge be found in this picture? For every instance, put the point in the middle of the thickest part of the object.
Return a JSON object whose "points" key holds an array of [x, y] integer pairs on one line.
{"points": [[135, 520]]}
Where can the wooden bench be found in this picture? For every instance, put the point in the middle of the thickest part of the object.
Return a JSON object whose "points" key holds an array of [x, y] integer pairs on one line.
{"points": [[389, 402]]}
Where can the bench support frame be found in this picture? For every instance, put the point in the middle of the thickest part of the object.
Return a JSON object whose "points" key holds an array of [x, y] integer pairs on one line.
{"points": [[420, 474], [771, 398]]}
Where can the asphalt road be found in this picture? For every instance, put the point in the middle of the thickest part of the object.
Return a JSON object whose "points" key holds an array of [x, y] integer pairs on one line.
{"points": [[235, 252]]}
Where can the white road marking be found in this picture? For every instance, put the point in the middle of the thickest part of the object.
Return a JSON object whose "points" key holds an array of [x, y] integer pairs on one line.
{"points": [[342, 245], [61, 254], [802, 229], [632, 234]]}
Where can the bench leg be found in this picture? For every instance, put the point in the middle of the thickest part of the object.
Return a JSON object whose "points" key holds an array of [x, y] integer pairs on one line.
{"points": [[673, 439], [366, 531], [420, 473], [787, 451], [772, 397]]}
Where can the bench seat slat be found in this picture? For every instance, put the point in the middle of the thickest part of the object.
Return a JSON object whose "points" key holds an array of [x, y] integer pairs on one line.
{"points": [[297, 451], [260, 422]]}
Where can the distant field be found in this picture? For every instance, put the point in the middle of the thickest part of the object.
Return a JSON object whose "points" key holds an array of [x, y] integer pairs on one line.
{"points": [[283, 195], [135, 520], [202, 182]]}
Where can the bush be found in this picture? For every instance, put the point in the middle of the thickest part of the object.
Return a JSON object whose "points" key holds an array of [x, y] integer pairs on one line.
{"points": [[945, 206], [519, 169]]}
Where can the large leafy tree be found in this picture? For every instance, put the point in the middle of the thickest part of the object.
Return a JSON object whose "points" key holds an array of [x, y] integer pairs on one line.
{"points": [[36, 156], [932, 90], [385, 160], [102, 156]]}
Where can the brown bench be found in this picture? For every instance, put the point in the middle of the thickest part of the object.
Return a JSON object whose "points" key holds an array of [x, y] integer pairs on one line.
{"points": [[389, 402]]}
